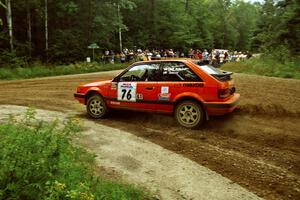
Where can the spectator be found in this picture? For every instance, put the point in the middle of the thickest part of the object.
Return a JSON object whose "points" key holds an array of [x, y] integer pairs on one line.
{"points": [[225, 56], [217, 57], [148, 54], [221, 56], [171, 53], [205, 55], [191, 53], [249, 55], [112, 56], [106, 56], [182, 54], [200, 56], [122, 57]]}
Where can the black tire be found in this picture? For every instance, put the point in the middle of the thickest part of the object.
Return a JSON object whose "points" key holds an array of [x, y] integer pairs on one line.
{"points": [[189, 114], [96, 107]]}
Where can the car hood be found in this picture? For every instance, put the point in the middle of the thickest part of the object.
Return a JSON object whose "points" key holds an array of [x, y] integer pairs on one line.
{"points": [[96, 84]]}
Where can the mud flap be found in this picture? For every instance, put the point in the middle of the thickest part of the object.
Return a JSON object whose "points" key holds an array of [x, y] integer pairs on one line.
{"points": [[206, 116]]}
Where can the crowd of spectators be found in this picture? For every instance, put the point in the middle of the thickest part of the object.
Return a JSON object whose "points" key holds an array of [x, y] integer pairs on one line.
{"points": [[215, 56]]}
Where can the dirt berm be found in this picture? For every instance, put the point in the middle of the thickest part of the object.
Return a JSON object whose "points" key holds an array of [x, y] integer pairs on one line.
{"points": [[257, 146]]}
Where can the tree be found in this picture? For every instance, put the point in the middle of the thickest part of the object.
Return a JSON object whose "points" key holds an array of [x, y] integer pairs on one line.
{"points": [[46, 29], [288, 28], [246, 17], [7, 7], [265, 34]]}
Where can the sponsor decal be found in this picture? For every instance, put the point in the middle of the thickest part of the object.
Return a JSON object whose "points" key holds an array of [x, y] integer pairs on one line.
{"points": [[164, 90], [139, 96], [164, 97], [193, 85], [115, 103], [114, 86], [164, 94], [127, 91]]}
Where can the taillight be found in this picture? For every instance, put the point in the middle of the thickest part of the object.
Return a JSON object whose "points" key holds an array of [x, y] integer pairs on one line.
{"points": [[232, 90], [224, 93]]}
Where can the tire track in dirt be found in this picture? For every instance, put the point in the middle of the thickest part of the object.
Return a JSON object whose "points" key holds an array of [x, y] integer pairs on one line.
{"points": [[257, 146]]}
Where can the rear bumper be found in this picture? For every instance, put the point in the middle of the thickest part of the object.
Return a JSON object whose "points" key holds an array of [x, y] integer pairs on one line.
{"points": [[221, 108], [80, 97]]}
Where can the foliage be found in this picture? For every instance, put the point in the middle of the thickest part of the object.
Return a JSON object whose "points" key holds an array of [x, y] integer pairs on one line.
{"points": [[267, 65], [38, 161], [179, 24], [40, 70], [279, 25], [11, 59], [74, 24]]}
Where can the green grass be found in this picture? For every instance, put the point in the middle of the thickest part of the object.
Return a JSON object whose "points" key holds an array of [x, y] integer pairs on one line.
{"points": [[39, 70], [266, 66], [38, 161]]}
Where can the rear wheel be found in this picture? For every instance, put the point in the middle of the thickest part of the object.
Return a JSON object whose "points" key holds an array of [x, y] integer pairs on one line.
{"points": [[96, 107], [189, 114]]}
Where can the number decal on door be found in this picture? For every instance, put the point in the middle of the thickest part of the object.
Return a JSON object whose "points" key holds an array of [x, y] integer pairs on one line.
{"points": [[127, 91], [127, 94]]}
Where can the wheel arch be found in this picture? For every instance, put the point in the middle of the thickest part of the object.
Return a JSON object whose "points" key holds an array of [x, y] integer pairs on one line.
{"points": [[188, 98], [90, 93]]}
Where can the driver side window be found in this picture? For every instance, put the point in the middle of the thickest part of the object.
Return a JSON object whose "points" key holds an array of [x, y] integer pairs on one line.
{"points": [[139, 73]]}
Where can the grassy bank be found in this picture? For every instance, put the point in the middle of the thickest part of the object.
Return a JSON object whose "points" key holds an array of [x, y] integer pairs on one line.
{"points": [[39, 70], [266, 66], [38, 161]]}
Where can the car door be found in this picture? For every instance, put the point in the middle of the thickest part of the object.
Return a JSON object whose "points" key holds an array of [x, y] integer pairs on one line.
{"points": [[133, 89]]}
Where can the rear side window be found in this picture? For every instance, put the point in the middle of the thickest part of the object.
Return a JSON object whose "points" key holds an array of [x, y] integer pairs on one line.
{"points": [[177, 71]]}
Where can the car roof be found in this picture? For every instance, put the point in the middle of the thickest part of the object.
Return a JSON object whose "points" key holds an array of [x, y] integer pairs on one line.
{"points": [[160, 61]]}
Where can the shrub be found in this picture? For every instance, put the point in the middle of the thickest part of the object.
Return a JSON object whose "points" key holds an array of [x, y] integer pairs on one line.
{"points": [[38, 161], [11, 59]]}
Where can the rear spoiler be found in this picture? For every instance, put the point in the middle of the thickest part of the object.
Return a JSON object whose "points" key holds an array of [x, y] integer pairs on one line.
{"points": [[224, 76]]}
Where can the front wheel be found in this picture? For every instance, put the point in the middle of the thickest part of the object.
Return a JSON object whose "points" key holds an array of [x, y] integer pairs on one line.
{"points": [[189, 114], [96, 107]]}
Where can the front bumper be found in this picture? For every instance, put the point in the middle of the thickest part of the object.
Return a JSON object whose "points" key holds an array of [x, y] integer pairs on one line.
{"points": [[221, 108], [80, 97]]}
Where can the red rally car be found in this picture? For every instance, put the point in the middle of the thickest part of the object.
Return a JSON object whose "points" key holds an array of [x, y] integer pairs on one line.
{"points": [[192, 92]]}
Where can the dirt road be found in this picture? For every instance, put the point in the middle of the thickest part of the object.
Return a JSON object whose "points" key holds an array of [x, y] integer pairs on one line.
{"points": [[257, 147]]}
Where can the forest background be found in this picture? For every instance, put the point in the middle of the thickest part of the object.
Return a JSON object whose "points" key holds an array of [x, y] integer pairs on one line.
{"points": [[59, 32]]}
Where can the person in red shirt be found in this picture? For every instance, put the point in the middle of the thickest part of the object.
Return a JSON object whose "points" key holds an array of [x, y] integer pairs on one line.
{"points": [[200, 55]]}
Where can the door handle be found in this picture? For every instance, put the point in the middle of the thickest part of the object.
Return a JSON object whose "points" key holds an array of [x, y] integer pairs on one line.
{"points": [[149, 88]]}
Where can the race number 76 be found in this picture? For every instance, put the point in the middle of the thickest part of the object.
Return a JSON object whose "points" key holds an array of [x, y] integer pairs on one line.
{"points": [[127, 91], [127, 94]]}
